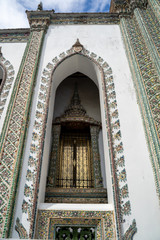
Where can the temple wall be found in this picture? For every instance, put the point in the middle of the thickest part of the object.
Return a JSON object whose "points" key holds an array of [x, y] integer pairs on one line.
{"points": [[106, 42]]}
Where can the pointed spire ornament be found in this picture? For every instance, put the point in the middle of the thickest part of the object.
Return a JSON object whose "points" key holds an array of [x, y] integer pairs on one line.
{"points": [[75, 112], [75, 108], [77, 47], [0, 51], [40, 7]]}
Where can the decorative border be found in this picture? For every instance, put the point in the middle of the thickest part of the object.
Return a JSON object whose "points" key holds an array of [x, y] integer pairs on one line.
{"points": [[146, 81], [7, 82], [104, 221], [119, 179]]}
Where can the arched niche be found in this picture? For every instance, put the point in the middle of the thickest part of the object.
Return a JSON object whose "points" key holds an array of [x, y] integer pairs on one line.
{"points": [[78, 165], [68, 66]]}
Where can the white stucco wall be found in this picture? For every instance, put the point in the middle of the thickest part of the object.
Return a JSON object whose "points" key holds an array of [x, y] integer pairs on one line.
{"points": [[106, 42], [13, 52]]}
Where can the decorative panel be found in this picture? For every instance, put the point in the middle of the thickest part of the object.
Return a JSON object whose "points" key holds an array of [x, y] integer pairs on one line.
{"points": [[98, 224]]}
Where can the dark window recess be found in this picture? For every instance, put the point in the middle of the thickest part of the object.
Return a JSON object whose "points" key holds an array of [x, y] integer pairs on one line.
{"points": [[75, 233], [0, 81]]}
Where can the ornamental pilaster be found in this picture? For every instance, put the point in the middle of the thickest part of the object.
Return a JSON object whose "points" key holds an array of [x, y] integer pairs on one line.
{"points": [[14, 129], [146, 81]]}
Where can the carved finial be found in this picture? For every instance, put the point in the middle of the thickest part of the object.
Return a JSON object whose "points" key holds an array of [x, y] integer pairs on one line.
{"points": [[40, 7], [77, 46]]}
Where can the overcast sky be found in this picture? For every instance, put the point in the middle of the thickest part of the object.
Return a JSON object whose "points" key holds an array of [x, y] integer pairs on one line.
{"points": [[12, 12]]}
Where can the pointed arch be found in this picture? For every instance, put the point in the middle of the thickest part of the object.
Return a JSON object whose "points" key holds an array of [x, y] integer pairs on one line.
{"points": [[51, 77], [7, 77]]}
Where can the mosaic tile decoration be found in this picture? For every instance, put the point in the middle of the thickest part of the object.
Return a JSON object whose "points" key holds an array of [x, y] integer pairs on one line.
{"points": [[8, 81], [155, 6], [152, 26], [48, 219], [17, 36], [13, 133], [147, 85], [149, 29], [119, 179], [130, 232]]}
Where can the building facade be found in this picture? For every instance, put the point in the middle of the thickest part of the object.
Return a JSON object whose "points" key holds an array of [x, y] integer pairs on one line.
{"points": [[79, 109]]}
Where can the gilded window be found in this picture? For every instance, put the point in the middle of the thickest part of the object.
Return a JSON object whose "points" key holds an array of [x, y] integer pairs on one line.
{"points": [[75, 160]]}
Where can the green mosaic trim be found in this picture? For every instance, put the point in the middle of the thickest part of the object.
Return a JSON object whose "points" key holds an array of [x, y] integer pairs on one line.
{"points": [[146, 84], [12, 144], [119, 178], [48, 219]]}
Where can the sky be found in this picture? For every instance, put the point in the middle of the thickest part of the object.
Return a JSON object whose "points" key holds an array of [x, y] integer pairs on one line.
{"points": [[13, 11]]}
